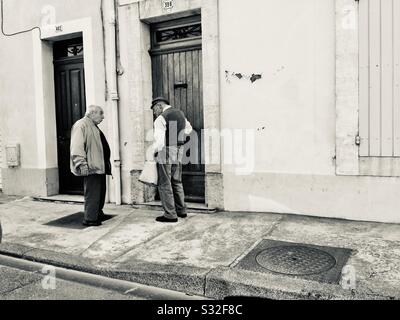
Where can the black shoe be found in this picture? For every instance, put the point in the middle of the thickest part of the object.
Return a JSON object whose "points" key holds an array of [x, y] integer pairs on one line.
{"points": [[102, 217], [182, 215], [92, 223], [164, 219]]}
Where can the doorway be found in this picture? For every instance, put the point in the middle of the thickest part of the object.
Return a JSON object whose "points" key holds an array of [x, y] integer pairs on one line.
{"points": [[69, 77], [177, 75]]}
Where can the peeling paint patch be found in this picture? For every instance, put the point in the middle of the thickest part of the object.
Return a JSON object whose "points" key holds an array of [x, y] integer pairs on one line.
{"points": [[255, 77], [239, 75], [229, 75]]}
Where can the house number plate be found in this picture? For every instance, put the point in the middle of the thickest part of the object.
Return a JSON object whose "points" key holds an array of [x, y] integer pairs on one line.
{"points": [[167, 4]]}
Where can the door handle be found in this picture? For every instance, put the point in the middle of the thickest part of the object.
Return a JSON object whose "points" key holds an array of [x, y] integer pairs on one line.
{"points": [[180, 84]]}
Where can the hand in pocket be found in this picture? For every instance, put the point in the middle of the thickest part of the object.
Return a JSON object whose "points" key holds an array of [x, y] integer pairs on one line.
{"points": [[84, 171]]}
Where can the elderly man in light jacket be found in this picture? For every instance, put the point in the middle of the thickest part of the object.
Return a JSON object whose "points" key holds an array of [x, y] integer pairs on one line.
{"points": [[90, 158]]}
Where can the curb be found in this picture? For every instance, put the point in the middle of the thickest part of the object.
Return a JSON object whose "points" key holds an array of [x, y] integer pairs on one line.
{"points": [[218, 283], [189, 280], [118, 286]]}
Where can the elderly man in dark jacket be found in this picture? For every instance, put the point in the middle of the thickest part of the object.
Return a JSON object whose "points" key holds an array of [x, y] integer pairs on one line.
{"points": [[90, 158]]}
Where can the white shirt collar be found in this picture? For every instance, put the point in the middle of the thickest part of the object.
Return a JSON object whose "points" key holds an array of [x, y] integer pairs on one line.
{"points": [[167, 107]]}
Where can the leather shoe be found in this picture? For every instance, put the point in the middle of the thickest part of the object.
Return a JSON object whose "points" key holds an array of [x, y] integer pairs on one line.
{"points": [[92, 223], [102, 216], [182, 215], [164, 219]]}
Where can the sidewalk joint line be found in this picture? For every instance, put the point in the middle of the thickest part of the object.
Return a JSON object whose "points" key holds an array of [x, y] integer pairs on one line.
{"points": [[103, 236], [142, 243], [274, 226], [205, 281], [245, 253], [21, 286], [256, 243], [136, 246]]}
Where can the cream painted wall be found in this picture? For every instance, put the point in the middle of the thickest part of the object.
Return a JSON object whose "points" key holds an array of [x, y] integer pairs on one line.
{"points": [[17, 99], [292, 108], [17, 73], [292, 44]]}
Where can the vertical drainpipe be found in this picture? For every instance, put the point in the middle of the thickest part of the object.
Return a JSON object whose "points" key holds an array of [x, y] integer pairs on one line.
{"points": [[109, 9]]}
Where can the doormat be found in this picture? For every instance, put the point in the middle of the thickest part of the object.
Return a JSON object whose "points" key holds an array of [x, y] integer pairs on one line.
{"points": [[74, 221], [304, 261]]}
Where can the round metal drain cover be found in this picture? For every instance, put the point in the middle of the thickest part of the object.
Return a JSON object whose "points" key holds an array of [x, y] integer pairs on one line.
{"points": [[295, 260]]}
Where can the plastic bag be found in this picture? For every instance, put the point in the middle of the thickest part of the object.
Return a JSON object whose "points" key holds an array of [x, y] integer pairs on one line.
{"points": [[149, 174]]}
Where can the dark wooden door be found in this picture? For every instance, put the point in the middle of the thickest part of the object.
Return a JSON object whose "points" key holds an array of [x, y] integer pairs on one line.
{"points": [[177, 75], [70, 107]]}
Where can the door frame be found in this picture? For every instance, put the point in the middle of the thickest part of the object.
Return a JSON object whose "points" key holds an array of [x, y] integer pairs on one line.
{"points": [[137, 17], [45, 103], [172, 47]]}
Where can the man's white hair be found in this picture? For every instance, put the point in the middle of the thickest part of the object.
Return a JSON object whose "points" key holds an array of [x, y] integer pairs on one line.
{"points": [[92, 109]]}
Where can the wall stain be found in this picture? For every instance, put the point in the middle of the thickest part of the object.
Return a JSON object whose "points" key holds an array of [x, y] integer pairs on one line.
{"points": [[277, 71]]}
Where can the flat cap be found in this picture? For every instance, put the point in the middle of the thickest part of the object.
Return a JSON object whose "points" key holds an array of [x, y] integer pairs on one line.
{"points": [[157, 100]]}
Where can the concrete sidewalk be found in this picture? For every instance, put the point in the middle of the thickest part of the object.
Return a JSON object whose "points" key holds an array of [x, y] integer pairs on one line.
{"points": [[199, 255]]}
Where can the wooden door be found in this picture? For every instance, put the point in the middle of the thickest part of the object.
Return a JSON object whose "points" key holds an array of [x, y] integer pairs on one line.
{"points": [[70, 107], [177, 75]]}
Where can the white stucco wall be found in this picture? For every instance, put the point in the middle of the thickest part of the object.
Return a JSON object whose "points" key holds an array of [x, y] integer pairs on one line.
{"points": [[292, 44], [17, 109], [293, 112], [20, 102]]}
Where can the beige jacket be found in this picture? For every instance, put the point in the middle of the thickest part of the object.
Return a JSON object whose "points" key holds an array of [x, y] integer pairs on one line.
{"points": [[86, 148]]}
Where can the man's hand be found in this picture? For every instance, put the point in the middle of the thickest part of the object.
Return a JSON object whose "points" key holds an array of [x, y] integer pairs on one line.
{"points": [[84, 170]]}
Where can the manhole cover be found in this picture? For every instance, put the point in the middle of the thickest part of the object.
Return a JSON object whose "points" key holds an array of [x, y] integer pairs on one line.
{"points": [[295, 260]]}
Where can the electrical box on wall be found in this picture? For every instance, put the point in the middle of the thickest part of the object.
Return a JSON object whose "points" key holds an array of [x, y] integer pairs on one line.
{"points": [[13, 155]]}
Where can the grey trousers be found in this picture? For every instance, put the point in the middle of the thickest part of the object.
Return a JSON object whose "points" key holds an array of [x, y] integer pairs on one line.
{"points": [[170, 188], [95, 194]]}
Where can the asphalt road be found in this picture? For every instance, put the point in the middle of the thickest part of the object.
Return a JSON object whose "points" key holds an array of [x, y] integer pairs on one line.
{"points": [[23, 285], [24, 280]]}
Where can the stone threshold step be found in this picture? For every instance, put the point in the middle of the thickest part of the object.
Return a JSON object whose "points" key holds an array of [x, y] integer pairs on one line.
{"points": [[154, 205], [64, 198], [197, 207]]}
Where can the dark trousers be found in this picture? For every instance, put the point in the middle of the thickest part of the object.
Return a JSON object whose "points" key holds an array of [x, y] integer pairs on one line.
{"points": [[95, 194], [170, 188]]}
